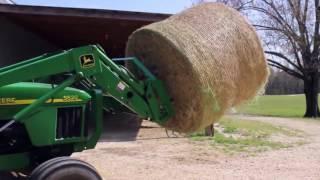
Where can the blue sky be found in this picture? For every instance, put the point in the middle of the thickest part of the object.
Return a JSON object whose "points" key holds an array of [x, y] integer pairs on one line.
{"points": [[158, 6]]}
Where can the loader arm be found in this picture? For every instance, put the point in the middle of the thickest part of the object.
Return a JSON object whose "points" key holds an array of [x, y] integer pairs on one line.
{"points": [[90, 64]]}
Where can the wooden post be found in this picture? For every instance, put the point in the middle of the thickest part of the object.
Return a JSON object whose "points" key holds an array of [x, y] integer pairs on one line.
{"points": [[209, 131]]}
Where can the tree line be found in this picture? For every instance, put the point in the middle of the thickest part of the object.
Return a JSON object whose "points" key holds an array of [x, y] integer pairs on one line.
{"points": [[281, 83]]}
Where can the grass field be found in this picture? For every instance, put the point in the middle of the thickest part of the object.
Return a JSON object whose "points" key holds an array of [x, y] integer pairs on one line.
{"points": [[239, 135], [276, 105]]}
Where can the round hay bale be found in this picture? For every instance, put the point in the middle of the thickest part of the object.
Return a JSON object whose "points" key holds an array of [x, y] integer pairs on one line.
{"points": [[209, 58]]}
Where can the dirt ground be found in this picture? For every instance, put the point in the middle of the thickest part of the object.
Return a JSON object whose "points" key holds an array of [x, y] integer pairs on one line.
{"points": [[151, 155]]}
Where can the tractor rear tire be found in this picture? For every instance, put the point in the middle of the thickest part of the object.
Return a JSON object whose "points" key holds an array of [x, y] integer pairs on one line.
{"points": [[65, 168]]}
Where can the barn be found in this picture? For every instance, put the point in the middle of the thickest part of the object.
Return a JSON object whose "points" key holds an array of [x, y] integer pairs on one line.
{"points": [[28, 31]]}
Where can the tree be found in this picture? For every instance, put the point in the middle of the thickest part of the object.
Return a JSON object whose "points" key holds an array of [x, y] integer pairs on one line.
{"points": [[290, 31], [293, 24]]}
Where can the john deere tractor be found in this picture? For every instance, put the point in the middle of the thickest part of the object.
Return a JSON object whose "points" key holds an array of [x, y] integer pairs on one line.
{"points": [[52, 106]]}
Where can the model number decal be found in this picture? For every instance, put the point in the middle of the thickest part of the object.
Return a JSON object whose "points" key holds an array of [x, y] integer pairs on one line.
{"points": [[7, 100], [71, 99]]}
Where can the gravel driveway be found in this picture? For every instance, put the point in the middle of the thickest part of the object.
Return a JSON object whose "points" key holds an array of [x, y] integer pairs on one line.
{"points": [[152, 155]]}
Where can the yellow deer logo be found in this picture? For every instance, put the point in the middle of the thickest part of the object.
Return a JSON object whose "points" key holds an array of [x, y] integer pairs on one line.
{"points": [[87, 61]]}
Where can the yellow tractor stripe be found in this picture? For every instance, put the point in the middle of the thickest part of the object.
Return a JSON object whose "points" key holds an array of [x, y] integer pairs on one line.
{"points": [[30, 101]]}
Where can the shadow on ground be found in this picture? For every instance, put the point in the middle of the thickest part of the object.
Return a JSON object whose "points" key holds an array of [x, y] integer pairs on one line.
{"points": [[128, 127], [121, 127]]}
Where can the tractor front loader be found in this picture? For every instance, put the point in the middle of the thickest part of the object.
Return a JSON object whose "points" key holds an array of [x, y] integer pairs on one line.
{"points": [[42, 124]]}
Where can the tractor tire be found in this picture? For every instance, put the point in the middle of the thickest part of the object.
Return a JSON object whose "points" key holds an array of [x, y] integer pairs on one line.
{"points": [[65, 168], [7, 176]]}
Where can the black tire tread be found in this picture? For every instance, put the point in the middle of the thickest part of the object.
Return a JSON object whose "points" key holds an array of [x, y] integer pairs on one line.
{"points": [[54, 165], [44, 165]]}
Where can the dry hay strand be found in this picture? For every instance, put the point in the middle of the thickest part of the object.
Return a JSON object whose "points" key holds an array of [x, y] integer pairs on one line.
{"points": [[209, 58]]}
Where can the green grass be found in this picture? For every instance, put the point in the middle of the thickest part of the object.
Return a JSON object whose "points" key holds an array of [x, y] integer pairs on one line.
{"points": [[252, 144], [237, 135], [253, 128], [276, 105]]}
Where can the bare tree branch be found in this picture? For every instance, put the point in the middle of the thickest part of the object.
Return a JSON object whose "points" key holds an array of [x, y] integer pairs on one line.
{"points": [[296, 53], [279, 16], [283, 25], [301, 25], [284, 68], [282, 56], [316, 30]]}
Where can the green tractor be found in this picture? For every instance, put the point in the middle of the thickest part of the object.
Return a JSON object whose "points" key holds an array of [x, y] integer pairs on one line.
{"points": [[42, 124]]}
